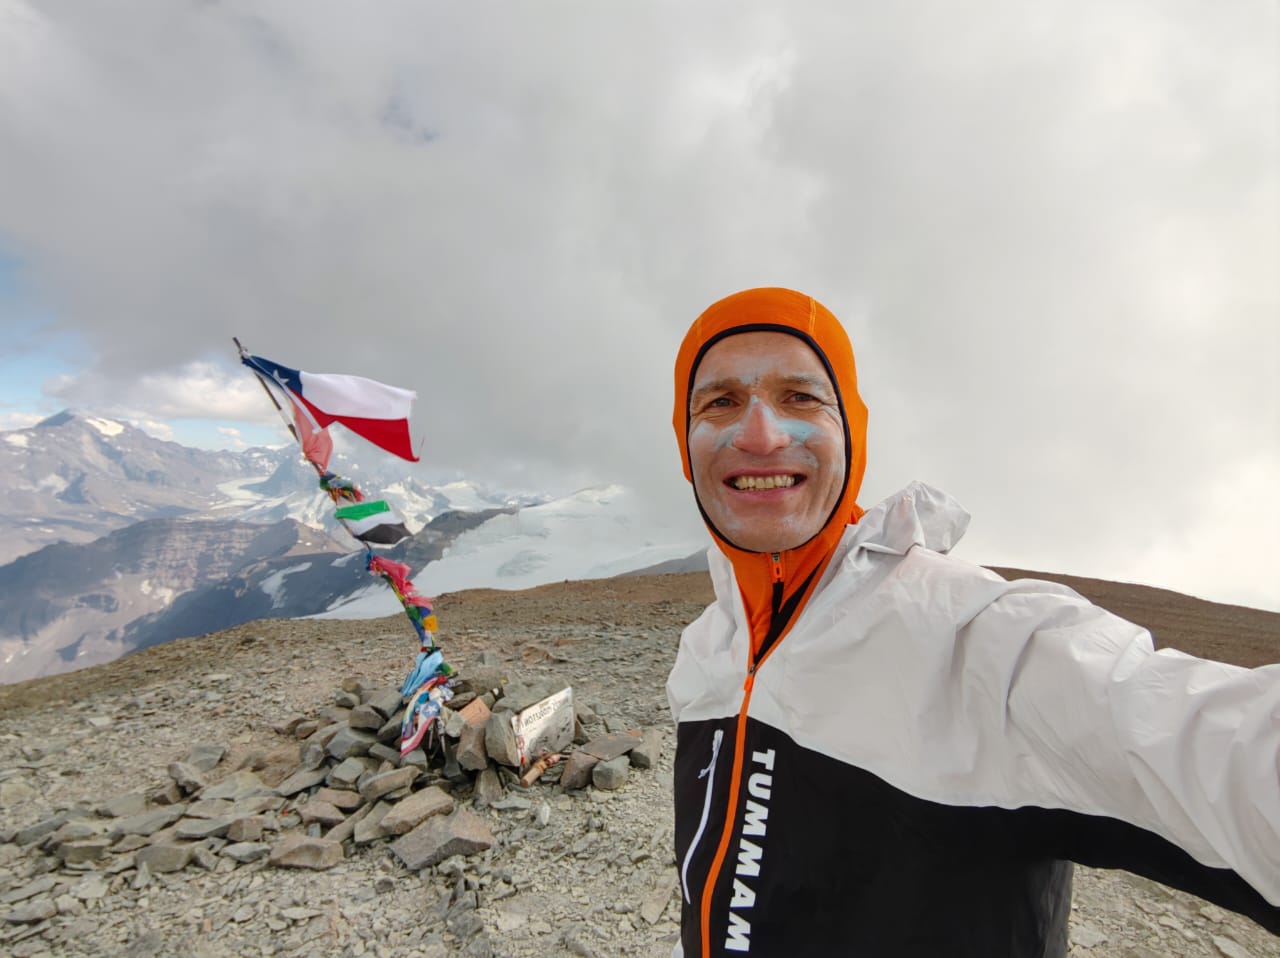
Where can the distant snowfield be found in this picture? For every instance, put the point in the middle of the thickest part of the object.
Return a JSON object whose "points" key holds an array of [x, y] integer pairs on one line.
{"points": [[593, 534], [107, 427], [271, 585]]}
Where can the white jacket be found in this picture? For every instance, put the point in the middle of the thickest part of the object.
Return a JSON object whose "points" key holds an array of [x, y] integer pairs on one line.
{"points": [[958, 688]]}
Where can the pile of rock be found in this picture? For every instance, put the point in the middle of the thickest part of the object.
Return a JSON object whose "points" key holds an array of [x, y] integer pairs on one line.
{"points": [[349, 786]]}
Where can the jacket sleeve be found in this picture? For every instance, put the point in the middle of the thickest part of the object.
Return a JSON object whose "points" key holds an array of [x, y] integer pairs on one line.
{"points": [[1099, 723]]}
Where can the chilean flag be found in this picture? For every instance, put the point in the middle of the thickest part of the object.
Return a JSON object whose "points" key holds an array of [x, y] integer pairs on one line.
{"points": [[374, 410]]}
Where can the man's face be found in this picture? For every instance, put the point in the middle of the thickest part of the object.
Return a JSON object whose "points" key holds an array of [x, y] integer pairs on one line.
{"points": [[766, 442]]}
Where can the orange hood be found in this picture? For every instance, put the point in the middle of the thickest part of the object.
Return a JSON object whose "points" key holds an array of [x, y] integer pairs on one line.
{"points": [[798, 569]]}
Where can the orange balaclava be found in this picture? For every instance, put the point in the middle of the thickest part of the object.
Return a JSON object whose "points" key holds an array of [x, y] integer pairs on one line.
{"points": [[773, 591]]}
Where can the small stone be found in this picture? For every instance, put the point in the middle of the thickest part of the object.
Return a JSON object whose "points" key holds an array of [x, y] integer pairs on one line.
{"points": [[306, 728], [186, 777], [512, 803], [322, 812], [209, 808], [37, 909], [1084, 935], [500, 740], [390, 732], [347, 772], [91, 888], [1229, 948], [300, 851], [312, 755], [247, 829], [348, 742], [471, 748], [369, 828], [347, 698], [13, 794], [610, 746], [452, 722], [462, 833], [1213, 913], [164, 857], [148, 823], [245, 852], [302, 780], [238, 786], [30, 890], [141, 877], [299, 913], [32, 833], [200, 828], [205, 755], [612, 774], [385, 753], [417, 808], [78, 852], [123, 806], [655, 903], [647, 753], [386, 702], [577, 770], [488, 790], [170, 794], [341, 798], [130, 843], [416, 757], [366, 717], [385, 783]]}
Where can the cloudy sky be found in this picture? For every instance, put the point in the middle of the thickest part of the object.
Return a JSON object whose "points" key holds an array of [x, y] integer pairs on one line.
{"points": [[1052, 229]]}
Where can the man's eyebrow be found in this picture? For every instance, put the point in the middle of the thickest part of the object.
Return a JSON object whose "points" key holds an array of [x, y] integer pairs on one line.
{"points": [[715, 386], [810, 381]]}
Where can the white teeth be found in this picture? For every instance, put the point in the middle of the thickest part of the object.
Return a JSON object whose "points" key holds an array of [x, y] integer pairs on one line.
{"points": [[763, 482]]}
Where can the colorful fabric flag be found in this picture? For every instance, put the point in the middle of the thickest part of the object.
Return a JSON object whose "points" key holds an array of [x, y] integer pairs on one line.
{"points": [[317, 444], [373, 523], [339, 487], [417, 607], [374, 410]]}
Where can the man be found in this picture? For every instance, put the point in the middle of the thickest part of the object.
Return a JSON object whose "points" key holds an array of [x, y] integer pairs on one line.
{"points": [[883, 751]]}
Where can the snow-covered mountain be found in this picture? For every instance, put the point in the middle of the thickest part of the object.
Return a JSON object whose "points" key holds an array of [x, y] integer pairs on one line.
{"points": [[108, 532], [592, 534], [75, 477]]}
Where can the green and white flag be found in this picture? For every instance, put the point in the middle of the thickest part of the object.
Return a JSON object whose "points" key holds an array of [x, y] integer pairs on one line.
{"points": [[373, 523]]}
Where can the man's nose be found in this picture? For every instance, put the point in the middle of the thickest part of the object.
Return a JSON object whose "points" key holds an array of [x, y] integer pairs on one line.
{"points": [[761, 432]]}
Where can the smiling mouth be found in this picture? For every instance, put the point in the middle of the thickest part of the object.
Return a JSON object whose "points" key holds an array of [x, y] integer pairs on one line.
{"points": [[784, 481]]}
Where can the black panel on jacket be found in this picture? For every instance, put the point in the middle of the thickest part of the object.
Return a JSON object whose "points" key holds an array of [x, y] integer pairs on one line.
{"points": [[838, 862]]}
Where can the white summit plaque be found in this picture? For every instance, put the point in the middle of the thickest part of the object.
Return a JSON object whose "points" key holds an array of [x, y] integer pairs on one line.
{"points": [[545, 726]]}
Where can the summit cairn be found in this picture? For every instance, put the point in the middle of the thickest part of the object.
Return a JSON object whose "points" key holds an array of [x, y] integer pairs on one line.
{"points": [[495, 745]]}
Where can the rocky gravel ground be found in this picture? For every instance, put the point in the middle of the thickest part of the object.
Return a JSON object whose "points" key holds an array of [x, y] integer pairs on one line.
{"points": [[584, 872]]}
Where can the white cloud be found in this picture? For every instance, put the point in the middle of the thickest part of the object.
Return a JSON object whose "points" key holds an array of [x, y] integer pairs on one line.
{"points": [[17, 420], [194, 390], [1051, 228]]}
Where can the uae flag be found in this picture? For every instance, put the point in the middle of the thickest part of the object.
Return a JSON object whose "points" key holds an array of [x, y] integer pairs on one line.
{"points": [[374, 410], [373, 523]]}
